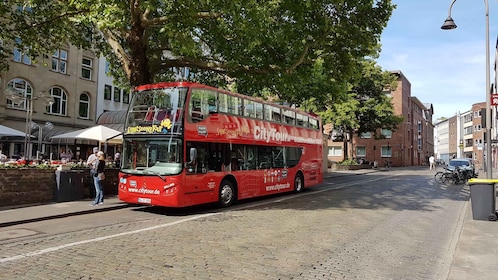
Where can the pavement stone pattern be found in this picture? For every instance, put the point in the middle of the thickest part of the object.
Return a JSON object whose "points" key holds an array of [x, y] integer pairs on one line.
{"points": [[390, 227]]}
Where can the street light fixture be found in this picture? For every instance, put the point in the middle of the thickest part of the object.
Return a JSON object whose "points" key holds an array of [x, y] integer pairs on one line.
{"points": [[18, 96], [450, 24]]}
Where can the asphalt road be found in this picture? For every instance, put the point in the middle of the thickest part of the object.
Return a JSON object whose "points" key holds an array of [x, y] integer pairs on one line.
{"points": [[382, 225]]}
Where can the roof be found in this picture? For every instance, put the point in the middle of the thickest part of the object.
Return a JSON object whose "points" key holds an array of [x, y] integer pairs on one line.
{"points": [[113, 119]]}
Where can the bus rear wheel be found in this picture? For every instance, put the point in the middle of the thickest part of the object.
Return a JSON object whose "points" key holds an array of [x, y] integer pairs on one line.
{"points": [[227, 193], [298, 183]]}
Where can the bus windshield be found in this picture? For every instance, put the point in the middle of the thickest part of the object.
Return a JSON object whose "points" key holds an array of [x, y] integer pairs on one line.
{"points": [[156, 110], [154, 156]]}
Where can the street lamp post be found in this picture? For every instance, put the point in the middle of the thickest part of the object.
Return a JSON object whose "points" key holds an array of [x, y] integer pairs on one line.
{"points": [[17, 97], [450, 24], [48, 126]]}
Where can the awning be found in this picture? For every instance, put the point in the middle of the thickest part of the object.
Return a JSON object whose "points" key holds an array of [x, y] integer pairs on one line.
{"points": [[7, 131]]}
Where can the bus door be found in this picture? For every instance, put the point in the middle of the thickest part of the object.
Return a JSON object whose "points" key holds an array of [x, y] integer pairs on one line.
{"points": [[248, 175], [199, 176]]}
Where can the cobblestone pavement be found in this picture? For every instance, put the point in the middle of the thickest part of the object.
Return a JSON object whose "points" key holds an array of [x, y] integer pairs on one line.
{"points": [[391, 225]]}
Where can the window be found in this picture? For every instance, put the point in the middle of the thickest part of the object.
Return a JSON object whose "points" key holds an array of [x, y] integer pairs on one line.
{"points": [[202, 103], [24, 89], [107, 68], [59, 61], [387, 133], [126, 96], [301, 120], [86, 68], [361, 151], [366, 135], [289, 116], [229, 104], [249, 110], [335, 151], [60, 105], [385, 151], [84, 111], [467, 130], [272, 113], [107, 92], [117, 95], [20, 56], [314, 123]]}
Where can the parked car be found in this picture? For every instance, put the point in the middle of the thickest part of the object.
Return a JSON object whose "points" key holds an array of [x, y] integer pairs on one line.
{"points": [[462, 163]]}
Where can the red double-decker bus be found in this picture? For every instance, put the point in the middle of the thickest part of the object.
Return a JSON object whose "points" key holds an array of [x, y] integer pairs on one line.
{"points": [[186, 144]]}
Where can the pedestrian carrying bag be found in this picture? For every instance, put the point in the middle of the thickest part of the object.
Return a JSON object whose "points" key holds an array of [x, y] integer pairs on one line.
{"points": [[101, 176]]}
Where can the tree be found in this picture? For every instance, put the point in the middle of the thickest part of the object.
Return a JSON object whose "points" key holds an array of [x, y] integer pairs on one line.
{"points": [[272, 45], [366, 107]]}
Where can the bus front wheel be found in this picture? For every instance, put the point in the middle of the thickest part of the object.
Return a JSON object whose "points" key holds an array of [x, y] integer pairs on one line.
{"points": [[298, 183], [227, 193]]}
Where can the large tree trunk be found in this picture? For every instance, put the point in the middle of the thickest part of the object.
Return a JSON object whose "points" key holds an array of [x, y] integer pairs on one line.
{"points": [[138, 69], [346, 145]]}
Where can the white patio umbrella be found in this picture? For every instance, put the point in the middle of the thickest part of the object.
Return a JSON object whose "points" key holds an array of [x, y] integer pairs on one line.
{"points": [[7, 131], [100, 133]]}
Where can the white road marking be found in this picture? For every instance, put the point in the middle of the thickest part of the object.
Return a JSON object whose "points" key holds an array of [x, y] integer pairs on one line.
{"points": [[56, 248]]}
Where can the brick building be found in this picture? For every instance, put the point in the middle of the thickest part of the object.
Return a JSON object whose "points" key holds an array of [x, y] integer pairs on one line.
{"points": [[409, 145]]}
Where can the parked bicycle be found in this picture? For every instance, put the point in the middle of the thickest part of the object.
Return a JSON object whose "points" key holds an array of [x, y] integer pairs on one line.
{"points": [[388, 164], [456, 176]]}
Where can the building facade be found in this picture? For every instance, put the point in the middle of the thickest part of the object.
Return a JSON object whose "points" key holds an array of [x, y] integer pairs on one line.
{"points": [[411, 144], [462, 136], [58, 93]]}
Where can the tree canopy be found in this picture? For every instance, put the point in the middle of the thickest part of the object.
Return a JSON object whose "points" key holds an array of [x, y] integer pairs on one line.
{"points": [[367, 105], [296, 50]]}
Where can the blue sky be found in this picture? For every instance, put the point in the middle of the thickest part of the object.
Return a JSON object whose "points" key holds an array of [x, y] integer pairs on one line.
{"points": [[445, 67]]}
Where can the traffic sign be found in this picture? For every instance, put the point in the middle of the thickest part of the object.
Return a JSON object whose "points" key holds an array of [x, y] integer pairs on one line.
{"points": [[494, 99]]}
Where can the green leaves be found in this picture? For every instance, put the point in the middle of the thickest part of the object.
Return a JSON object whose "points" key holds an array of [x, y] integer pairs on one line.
{"points": [[295, 50]]}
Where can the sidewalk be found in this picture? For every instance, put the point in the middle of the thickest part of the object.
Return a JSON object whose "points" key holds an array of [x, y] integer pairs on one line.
{"points": [[22, 215], [475, 257]]}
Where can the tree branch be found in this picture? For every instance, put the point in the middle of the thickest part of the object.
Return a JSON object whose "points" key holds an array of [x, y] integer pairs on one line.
{"points": [[146, 22], [118, 50]]}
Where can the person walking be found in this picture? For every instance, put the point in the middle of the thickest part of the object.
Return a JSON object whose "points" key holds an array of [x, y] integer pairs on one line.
{"points": [[99, 177], [92, 163], [432, 163]]}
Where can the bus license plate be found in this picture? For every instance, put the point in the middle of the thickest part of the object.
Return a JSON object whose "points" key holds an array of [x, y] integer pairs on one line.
{"points": [[143, 200]]}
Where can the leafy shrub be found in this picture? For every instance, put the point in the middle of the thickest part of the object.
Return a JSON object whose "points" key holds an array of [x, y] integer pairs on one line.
{"points": [[348, 162]]}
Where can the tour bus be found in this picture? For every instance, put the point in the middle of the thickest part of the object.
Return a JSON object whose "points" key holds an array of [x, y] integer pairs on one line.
{"points": [[186, 144]]}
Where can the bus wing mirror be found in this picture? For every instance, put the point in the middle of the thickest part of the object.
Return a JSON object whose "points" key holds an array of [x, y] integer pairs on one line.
{"points": [[193, 154]]}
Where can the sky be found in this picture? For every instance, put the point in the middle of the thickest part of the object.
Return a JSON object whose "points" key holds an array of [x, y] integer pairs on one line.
{"points": [[446, 68]]}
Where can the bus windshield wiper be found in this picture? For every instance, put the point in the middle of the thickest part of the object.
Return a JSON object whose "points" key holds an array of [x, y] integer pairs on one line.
{"points": [[155, 173]]}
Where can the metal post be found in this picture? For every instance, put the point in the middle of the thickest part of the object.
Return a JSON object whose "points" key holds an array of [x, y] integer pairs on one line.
{"points": [[489, 164], [450, 24]]}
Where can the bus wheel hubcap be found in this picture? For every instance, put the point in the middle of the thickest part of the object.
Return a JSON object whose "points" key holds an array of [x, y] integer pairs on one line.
{"points": [[226, 194]]}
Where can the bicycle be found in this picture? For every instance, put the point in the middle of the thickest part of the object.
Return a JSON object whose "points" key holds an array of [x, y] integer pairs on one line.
{"points": [[388, 164], [455, 176]]}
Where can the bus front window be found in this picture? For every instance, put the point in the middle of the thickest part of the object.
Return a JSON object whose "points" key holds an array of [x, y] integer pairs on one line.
{"points": [[152, 107], [152, 156]]}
